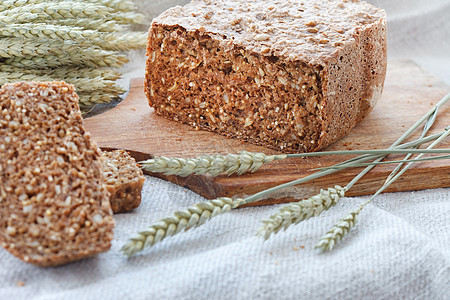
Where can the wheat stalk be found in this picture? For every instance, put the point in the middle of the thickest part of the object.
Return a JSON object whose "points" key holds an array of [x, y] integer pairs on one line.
{"points": [[343, 227], [60, 73], [116, 5], [62, 11], [61, 54], [294, 213], [42, 12], [338, 231], [186, 219], [250, 161], [209, 164], [403, 161], [107, 41]]}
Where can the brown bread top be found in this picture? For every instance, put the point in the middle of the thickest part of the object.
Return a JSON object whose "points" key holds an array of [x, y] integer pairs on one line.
{"points": [[54, 207], [124, 180], [312, 30]]}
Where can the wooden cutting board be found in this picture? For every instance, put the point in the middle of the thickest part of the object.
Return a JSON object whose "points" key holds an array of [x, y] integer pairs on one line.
{"points": [[408, 94]]}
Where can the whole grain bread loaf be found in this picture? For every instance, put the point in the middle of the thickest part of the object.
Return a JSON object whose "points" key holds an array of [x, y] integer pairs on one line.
{"points": [[290, 75], [54, 206], [124, 180]]}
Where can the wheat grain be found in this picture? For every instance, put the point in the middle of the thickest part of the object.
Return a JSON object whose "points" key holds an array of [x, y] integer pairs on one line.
{"points": [[186, 219]]}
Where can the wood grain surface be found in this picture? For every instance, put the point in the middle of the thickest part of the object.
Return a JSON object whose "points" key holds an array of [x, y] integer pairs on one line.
{"points": [[408, 94]]}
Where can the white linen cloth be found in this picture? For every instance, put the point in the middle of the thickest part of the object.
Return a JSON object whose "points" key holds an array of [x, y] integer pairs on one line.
{"points": [[400, 248]]}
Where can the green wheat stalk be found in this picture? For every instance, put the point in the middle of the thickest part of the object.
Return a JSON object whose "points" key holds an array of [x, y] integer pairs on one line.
{"points": [[343, 227]]}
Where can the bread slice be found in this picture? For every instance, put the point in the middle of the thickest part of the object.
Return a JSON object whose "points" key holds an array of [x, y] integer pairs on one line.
{"points": [[290, 75], [124, 180], [54, 206]]}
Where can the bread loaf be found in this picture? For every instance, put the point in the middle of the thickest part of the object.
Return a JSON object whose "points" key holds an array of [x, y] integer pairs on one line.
{"points": [[290, 75], [124, 180], [54, 206]]}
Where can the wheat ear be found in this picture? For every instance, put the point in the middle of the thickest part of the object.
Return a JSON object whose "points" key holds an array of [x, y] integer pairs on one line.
{"points": [[338, 231], [100, 59], [193, 216], [107, 41], [56, 53], [11, 4], [42, 12], [209, 164], [61, 73], [296, 212]]}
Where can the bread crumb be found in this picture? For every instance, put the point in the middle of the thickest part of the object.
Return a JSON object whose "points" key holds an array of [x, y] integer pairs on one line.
{"points": [[20, 283]]}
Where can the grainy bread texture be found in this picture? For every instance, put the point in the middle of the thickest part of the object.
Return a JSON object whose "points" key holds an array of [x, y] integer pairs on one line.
{"points": [[290, 75], [124, 180], [54, 206]]}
